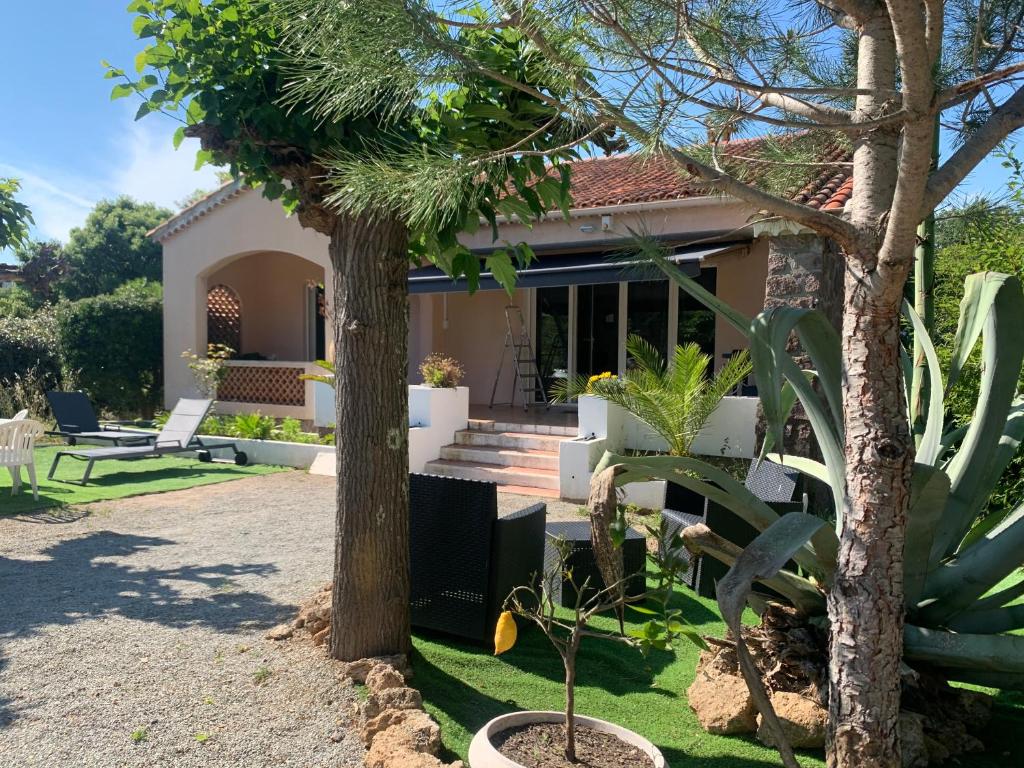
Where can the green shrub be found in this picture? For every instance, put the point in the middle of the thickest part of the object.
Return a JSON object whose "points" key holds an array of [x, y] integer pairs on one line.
{"points": [[439, 370], [115, 345], [252, 426], [29, 363]]}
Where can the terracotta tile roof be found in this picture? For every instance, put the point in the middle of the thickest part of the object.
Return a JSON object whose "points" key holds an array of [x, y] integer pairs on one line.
{"points": [[624, 179]]}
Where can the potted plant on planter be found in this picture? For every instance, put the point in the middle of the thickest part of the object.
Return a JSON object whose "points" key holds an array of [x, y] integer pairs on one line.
{"points": [[440, 371], [519, 739]]}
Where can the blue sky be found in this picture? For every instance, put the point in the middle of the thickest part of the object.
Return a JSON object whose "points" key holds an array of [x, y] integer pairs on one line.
{"points": [[60, 133], [71, 146]]}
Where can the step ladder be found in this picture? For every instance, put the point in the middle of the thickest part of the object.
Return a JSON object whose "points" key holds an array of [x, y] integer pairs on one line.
{"points": [[526, 379]]}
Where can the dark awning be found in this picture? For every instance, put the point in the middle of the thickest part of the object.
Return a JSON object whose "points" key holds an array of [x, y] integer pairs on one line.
{"points": [[575, 269]]}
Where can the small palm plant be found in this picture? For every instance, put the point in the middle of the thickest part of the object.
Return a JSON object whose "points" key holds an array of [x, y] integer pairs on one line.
{"points": [[327, 377], [675, 400]]}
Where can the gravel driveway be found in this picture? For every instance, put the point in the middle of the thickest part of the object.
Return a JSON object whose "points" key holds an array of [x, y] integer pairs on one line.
{"points": [[133, 635], [131, 631]]}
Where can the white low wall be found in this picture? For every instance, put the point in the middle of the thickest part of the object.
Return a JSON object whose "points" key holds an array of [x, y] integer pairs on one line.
{"points": [[607, 427], [275, 452], [435, 415], [728, 432], [576, 461]]}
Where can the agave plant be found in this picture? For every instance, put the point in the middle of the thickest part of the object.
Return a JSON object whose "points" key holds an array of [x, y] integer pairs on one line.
{"points": [[958, 619], [673, 400]]}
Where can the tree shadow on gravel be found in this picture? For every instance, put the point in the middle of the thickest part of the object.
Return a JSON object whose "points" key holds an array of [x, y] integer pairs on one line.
{"points": [[85, 578]]}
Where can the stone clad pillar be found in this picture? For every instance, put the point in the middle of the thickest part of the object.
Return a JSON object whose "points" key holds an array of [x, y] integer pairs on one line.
{"points": [[803, 271]]}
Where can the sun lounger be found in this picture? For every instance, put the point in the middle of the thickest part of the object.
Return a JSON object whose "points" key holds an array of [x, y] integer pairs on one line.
{"points": [[177, 436], [76, 420]]}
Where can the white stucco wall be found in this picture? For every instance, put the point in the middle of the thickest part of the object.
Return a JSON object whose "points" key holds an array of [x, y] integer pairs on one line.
{"points": [[245, 241], [247, 224]]}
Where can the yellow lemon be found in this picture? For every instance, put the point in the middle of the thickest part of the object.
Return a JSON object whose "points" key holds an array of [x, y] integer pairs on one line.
{"points": [[505, 633]]}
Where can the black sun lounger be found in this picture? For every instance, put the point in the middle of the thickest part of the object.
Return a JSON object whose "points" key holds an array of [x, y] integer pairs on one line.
{"points": [[177, 436], [76, 420]]}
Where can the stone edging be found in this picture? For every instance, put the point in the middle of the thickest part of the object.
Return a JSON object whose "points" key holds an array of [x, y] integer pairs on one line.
{"points": [[395, 730]]}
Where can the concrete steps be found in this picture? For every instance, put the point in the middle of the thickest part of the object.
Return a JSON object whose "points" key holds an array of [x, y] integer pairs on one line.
{"points": [[495, 473], [505, 457], [520, 458], [513, 441]]}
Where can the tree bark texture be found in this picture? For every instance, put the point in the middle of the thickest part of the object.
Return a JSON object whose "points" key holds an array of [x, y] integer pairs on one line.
{"points": [[370, 601], [866, 605]]}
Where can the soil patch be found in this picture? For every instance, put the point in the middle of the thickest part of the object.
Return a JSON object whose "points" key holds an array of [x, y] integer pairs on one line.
{"points": [[542, 745]]}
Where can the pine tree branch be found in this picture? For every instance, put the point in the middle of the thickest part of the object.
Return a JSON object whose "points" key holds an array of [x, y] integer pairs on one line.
{"points": [[959, 93], [1007, 118]]}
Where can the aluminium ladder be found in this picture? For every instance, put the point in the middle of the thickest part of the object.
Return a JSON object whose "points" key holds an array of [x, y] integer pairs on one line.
{"points": [[526, 377]]}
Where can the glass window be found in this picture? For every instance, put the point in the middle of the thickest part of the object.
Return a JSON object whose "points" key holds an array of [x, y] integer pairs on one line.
{"points": [[647, 312], [552, 324], [597, 328], [697, 322]]}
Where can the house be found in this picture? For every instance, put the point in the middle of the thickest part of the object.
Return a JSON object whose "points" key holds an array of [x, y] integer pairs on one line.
{"points": [[238, 271], [10, 275]]}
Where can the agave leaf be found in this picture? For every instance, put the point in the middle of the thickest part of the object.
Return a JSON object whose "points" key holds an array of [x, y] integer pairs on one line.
{"points": [[1007, 682], [773, 364], [1003, 353], [728, 492], [954, 586], [956, 653], [930, 446], [907, 366], [802, 593], [654, 254], [990, 621], [1009, 442], [809, 467], [764, 557], [1000, 598], [980, 291], [929, 490], [787, 400]]}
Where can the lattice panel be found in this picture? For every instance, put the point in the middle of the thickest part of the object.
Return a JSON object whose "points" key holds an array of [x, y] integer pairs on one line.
{"points": [[224, 318], [272, 385]]}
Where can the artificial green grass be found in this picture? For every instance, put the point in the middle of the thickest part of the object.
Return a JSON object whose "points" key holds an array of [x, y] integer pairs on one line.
{"points": [[114, 479], [464, 686]]}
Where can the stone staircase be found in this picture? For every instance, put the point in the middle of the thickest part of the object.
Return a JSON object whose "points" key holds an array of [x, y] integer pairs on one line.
{"points": [[520, 458]]}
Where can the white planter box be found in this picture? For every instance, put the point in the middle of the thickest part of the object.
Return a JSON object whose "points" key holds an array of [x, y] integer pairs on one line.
{"points": [[728, 432], [274, 452], [435, 415]]}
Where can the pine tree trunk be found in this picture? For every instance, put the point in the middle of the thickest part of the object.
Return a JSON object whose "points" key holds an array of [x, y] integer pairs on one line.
{"points": [[866, 603], [370, 602]]}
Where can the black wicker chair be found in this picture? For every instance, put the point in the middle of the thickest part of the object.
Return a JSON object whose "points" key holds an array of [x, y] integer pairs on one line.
{"points": [[464, 559], [772, 483]]}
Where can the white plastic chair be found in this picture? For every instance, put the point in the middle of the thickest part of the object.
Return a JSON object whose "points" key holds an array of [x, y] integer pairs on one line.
{"points": [[17, 450], [20, 415]]}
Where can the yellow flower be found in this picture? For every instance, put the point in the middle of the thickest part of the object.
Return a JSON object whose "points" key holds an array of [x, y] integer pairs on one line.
{"points": [[506, 633]]}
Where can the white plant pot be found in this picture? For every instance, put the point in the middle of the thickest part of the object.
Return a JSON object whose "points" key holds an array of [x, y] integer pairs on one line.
{"points": [[483, 754]]}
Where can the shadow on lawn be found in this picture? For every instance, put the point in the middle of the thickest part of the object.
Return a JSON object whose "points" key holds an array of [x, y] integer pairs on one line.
{"points": [[84, 578]]}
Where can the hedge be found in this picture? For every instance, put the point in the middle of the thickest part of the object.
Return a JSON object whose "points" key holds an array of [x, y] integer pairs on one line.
{"points": [[29, 345], [113, 346]]}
